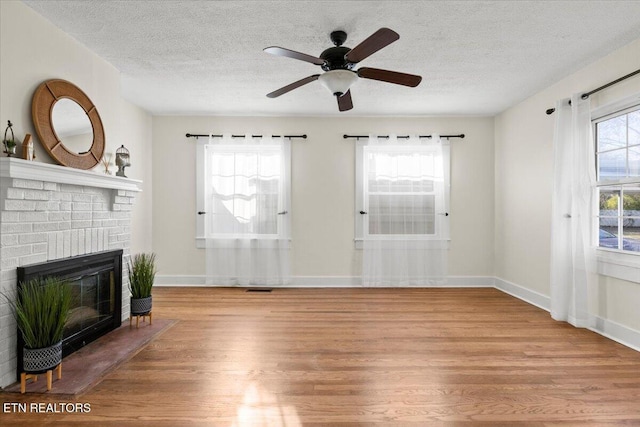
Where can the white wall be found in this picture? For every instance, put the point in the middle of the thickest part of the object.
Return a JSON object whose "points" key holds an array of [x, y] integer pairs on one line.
{"points": [[33, 50], [523, 161], [135, 131], [322, 190]]}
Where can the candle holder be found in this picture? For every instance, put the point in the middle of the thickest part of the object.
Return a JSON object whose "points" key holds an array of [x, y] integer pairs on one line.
{"points": [[9, 143]]}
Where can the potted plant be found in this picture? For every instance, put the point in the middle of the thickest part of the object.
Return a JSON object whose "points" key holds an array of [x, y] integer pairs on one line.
{"points": [[142, 272], [41, 310]]}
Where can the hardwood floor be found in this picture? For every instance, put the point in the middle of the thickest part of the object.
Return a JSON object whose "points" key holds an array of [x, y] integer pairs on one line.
{"points": [[312, 357]]}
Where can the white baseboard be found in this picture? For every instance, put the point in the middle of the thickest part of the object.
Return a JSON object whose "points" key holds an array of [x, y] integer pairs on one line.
{"points": [[469, 282], [624, 335], [527, 295], [617, 332], [296, 281], [181, 281], [326, 281]]}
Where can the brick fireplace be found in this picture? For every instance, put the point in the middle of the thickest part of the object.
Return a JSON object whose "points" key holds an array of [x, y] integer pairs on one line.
{"points": [[50, 212]]}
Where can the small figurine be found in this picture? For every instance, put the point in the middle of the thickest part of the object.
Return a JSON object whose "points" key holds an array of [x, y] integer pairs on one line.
{"points": [[27, 148], [122, 160]]}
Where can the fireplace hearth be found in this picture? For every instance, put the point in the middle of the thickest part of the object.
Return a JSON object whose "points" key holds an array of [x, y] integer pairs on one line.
{"points": [[96, 283]]}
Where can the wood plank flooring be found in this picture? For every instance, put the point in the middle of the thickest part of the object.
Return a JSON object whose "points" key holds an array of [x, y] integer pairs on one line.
{"points": [[347, 357]]}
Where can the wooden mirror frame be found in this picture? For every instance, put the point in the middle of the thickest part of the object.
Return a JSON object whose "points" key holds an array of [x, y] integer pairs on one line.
{"points": [[44, 98]]}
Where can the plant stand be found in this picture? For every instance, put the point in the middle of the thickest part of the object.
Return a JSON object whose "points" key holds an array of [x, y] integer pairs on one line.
{"points": [[138, 316], [26, 376]]}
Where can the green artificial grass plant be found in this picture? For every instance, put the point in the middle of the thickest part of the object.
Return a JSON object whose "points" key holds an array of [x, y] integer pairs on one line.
{"points": [[41, 311], [142, 273]]}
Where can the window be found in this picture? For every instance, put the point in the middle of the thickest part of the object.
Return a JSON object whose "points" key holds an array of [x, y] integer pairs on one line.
{"points": [[243, 189], [402, 191], [617, 138]]}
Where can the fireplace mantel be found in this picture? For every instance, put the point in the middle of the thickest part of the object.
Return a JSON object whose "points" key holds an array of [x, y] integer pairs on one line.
{"points": [[50, 212], [11, 167]]}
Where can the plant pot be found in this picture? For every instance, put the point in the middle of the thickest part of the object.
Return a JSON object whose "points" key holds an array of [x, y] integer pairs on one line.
{"points": [[140, 306], [37, 360], [11, 151]]}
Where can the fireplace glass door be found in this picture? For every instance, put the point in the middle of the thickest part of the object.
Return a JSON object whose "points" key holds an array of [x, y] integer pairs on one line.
{"points": [[93, 300]]}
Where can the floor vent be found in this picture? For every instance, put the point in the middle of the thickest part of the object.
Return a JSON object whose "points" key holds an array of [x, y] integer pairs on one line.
{"points": [[259, 290]]}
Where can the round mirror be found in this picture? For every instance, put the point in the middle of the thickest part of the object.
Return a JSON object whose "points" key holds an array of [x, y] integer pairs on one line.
{"points": [[72, 125], [68, 124]]}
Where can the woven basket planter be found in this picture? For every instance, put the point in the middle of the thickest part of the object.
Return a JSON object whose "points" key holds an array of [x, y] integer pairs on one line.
{"points": [[41, 359], [140, 306]]}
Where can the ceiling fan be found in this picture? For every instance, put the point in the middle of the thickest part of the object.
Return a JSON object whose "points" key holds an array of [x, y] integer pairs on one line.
{"points": [[338, 63]]}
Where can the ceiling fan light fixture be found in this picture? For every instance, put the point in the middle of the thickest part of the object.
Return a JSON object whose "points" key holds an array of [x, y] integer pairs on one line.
{"points": [[338, 81]]}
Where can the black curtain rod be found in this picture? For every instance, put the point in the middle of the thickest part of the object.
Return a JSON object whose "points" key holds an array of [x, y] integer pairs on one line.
{"points": [[193, 135], [588, 94], [403, 136]]}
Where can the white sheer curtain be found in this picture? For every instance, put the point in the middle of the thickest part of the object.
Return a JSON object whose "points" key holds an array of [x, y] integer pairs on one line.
{"points": [[572, 252], [406, 227], [247, 204]]}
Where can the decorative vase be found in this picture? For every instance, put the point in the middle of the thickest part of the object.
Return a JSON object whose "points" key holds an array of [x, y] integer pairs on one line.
{"points": [[38, 360], [140, 306]]}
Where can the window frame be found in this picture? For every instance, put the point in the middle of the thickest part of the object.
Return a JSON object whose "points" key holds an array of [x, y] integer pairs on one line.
{"points": [[441, 222], [598, 115], [615, 263], [203, 191]]}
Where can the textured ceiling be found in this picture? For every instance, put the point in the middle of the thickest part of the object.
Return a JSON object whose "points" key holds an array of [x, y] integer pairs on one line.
{"points": [[476, 58]]}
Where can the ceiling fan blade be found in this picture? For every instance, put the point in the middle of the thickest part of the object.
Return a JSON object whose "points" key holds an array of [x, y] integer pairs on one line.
{"points": [[292, 86], [280, 51], [376, 41], [395, 77], [344, 102]]}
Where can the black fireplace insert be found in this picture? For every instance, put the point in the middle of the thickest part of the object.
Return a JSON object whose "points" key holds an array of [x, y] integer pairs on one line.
{"points": [[96, 283]]}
